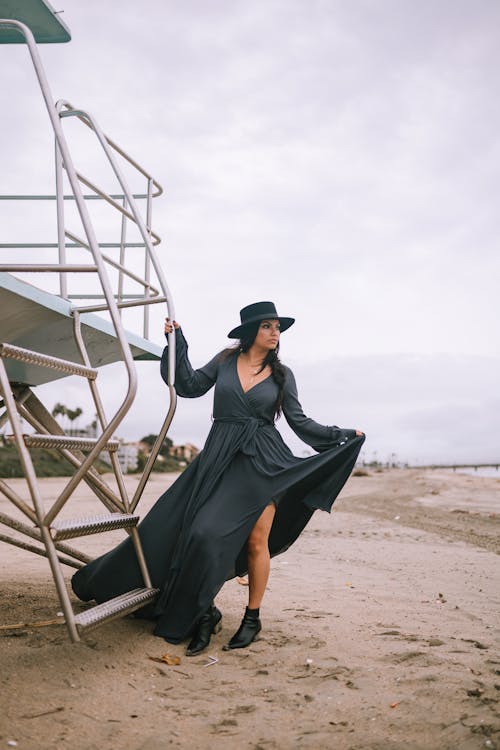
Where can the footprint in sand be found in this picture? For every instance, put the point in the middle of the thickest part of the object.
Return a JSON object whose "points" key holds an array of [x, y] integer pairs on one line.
{"points": [[411, 638], [317, 673], [224, 727], [314, 645], [401, 636], [280, 639], [312, 614], [244, 709], [419, 658]]}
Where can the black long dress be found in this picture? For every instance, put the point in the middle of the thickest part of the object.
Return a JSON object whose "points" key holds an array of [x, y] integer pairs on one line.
{"points": [[194, 537]]}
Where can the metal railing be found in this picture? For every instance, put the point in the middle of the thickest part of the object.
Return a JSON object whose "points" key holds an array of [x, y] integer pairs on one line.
{"points": [[114, 301], [107, 298], [117, 300], [125, 204]]}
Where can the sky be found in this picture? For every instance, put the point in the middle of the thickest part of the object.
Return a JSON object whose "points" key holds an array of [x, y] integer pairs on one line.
{"points": [[337, 157]]}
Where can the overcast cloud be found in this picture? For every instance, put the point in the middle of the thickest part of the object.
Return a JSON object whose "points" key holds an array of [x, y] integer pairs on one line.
{"points": [[339, 158]]}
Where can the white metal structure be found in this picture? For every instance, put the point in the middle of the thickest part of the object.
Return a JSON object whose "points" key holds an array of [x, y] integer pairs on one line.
{"points": [[46, 336]]}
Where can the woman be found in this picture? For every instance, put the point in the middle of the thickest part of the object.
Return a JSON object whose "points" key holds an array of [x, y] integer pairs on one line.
{"points": [[244, 498]]}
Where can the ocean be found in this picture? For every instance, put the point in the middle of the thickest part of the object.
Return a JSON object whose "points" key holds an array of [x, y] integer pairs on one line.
{"points": [[485, 471]]}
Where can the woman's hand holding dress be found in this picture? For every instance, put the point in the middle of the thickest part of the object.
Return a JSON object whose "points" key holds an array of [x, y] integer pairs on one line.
{"points": [[318, 436]]}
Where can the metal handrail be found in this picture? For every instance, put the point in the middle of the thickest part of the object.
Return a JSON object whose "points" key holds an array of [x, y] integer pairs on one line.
{"points": [[108, 146], [113, 305], [64, 160], [83, 116], [119, 266], [154, 189], [114, 313], [106, 197], [150, 259]]}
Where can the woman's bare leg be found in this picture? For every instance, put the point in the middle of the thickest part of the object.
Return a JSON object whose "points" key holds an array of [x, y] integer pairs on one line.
{"points": [[258, 574], [258, 557]]}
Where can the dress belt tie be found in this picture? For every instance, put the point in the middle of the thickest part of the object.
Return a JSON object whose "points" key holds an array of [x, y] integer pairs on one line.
{"points": [[252, 424]]}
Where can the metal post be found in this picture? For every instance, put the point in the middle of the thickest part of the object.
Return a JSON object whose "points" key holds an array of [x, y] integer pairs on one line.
{"points": [[123, 239], [61, 239], [147, 259]]}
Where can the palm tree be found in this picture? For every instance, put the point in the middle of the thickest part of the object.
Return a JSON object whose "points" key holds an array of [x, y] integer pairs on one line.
{"points": [[73, 414], [59, 410]]}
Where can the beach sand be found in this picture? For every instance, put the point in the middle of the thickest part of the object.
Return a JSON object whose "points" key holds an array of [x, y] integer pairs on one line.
{"points": [[380, 632]]}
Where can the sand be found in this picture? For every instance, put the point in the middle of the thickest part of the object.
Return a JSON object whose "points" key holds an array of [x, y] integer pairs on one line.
{"points": [[379, 632]]}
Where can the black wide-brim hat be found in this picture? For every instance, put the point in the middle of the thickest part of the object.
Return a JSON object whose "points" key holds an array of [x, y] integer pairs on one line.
{"points": [[256, 312]]}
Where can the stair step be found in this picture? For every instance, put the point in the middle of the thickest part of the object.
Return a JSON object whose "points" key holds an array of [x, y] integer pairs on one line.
{"points": [[44, 360], [64, 441], [117, 607], [92, 525]]}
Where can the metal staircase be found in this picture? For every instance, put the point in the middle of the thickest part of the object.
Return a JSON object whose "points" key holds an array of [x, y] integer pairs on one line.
{"points": [[21, 365]]}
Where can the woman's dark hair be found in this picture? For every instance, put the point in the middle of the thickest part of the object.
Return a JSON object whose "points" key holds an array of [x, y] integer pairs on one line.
{"points": [[248, 336]]}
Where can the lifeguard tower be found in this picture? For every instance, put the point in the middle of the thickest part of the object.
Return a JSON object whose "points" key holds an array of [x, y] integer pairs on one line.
{"points": [[74, 328]]}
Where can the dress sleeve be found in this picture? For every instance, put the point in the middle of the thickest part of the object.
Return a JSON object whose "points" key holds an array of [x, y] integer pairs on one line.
{"points": [[318, 436], [189, 383]]}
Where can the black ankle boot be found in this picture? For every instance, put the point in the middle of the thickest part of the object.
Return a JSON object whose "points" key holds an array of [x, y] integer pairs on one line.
{"points": [[207, 624], [247, 632]]}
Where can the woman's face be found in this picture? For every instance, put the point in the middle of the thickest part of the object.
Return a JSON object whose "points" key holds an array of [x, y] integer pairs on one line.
{"points": [[268, 335]]}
